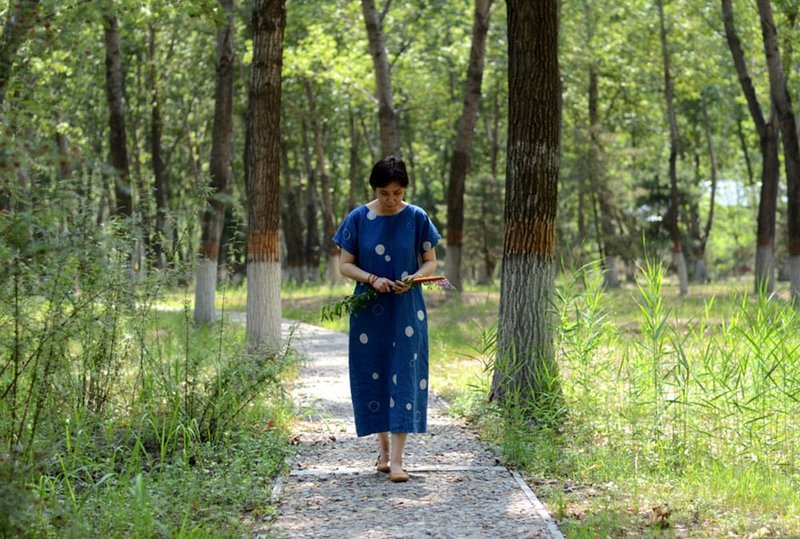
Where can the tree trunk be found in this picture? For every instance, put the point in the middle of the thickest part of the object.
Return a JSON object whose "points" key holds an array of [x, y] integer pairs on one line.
{"points": [[678, 258], [701, 268], [263, 165], [459, 164], [159, 170], [525, 370], [292, 224], [220, 171], [791, 148], [602, 194], [118, 150], [331, 250], [355, 182], [768, 141], [312, 252], [20, 17], [390, 133]]}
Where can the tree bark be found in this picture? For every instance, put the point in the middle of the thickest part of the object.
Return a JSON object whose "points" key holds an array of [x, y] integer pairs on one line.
{"points": [[292, 224], [20, 18], [220, 170], [331, 250], [602, 193], [768, 141], [701, 273], [159, 170], [355, 183], [387, 119], [459, 163], [118, 150], [525, 370], [263, 162], [312, 248], [678, 258], [791, 148]]}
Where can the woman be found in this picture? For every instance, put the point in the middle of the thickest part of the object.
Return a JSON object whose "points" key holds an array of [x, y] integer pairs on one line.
{"points": [[384, 244]]}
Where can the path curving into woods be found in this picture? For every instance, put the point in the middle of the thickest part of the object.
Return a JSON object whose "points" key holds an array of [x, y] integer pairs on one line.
{"points": [[456, 490]]}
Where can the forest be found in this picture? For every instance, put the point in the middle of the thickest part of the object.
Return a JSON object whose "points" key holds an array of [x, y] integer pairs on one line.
{"points": [[165, 165]]}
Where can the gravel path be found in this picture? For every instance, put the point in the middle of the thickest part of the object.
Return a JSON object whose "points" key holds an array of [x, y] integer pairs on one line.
{"points": [[456, 490]]}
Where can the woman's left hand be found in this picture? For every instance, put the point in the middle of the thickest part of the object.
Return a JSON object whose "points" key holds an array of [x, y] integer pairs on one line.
{"points": [[401, 287]]}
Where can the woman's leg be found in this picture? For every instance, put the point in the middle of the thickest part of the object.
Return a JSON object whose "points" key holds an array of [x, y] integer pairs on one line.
{"points": [[383, 447], [396, 458]]}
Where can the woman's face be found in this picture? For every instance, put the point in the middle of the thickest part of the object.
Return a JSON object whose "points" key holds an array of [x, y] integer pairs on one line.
{"points": [[390, 198]]}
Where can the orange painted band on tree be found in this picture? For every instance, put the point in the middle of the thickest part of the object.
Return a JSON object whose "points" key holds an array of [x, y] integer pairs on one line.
{"points": [[263, 247], [765, 239], [209, 250], [533, 236], [454, 237], [794, 248]]}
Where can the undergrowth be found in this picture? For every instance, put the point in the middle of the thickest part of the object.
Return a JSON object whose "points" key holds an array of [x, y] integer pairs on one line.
{"points": [[671, 425], [117, 418]]}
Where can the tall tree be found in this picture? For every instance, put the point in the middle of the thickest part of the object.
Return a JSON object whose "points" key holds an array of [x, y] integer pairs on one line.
{"points": [[262, 170], [292, 224], [525, 366], [387, 119], [791, 148], [678, 258], [118, 145], [220, 171], [599, 189], [20, 17], [701, 271], [321, 172], [160, 187], [459, 163], [768, 142]]}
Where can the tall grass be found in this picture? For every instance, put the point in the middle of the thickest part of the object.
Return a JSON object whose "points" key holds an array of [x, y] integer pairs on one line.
{"points": [[701, 413], [103, 395]]}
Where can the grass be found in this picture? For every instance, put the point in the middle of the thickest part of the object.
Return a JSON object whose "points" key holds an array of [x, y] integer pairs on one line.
{"points": [[682, 412], [193, 431]]}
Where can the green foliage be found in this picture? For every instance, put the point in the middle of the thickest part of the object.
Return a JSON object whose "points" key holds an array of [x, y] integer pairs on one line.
{"points": [[107, 401]]}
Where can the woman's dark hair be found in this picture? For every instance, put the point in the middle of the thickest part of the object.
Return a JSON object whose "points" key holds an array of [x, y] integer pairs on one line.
{"points": [[387, 170]]}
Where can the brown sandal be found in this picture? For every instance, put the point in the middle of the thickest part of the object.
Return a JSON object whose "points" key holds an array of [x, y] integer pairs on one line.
{"points": [[383, 468], [398, 477]]}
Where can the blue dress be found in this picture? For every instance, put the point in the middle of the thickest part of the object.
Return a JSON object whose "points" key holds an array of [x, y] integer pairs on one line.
{"points": [[388, 354]]}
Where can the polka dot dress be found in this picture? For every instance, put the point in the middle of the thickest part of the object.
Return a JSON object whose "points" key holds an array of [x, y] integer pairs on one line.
{"points": [[389, 339]]}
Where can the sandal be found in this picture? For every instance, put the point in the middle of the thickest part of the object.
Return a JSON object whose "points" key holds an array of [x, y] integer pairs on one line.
{"points": [[383, 468], [398, 477]]}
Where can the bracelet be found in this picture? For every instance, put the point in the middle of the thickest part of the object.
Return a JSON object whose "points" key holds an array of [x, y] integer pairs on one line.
{"points": [[371, 278]]}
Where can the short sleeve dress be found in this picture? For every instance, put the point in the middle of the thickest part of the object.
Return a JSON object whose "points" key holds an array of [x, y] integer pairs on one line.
{"points": [[388, 353]]}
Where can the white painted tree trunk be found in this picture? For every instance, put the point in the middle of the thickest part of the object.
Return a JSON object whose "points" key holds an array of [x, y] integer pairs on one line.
{"points": [[765, 268], [610, 275], [700, 271], [683, 274], [794, 278], [452, 265], [332, 274], [205, 288], [264, 305], [524, 366]]}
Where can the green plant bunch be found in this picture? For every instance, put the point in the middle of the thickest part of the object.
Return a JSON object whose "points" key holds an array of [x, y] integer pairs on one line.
{"points": [[357, 302]]}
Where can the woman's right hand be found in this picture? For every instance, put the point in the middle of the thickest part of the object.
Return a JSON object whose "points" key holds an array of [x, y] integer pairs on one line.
{"points": [[382, 284]]}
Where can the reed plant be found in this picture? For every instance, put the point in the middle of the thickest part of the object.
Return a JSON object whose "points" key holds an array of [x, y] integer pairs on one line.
{"points": [[695, 412]]}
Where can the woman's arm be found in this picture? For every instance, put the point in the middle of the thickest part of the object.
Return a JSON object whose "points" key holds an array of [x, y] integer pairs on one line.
{"points": [[428, 266], [348, 268]]}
